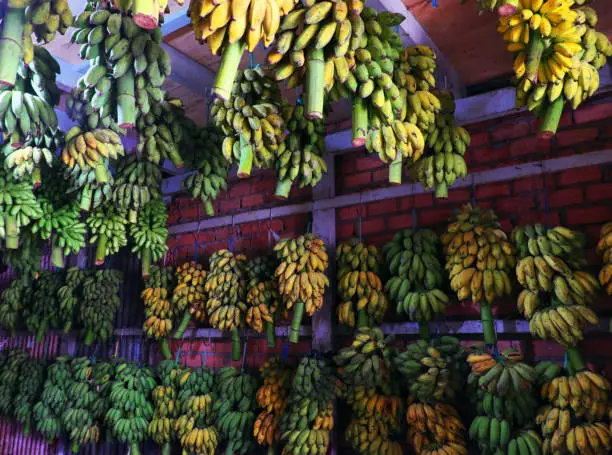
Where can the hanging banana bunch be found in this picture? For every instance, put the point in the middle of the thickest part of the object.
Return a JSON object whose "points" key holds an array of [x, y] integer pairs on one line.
{"points": [[40, 315], [235, 408], [9, 380], [100, 303], [130, 409], [147, 14], [14, 298], [300, 156], [83, 186], [45, 18], [604, 249], [301, 277], [70, 296], [251, 120], [360, 288], [417, 278], [195, 425], [226, 295], [188, 297], [52, 402], [159, 310], [165, 397], [106, 225], [306, 424], [24, 163], [27, 260], [159, 133], [137, 182], [272, 397], [30, 383], [202, 151], [150, 233], [81, 110], [557, 291], [19, 206]]}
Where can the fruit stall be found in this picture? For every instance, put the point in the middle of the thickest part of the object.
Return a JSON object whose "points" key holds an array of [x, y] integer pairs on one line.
{"points": [[305, 227]]}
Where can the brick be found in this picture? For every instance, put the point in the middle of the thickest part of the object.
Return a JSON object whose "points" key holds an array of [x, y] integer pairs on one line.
{"points": [[593, 113], [210, 248], [405, 203], [347, 164], [456, 196], [398, 222], [380, 176], [347, 213], [239, 189], [579, 175], [564, 122], [565, 197], [529, 146], [485, 125], [356, 180], [381, 239], [479, 139], [229, 205], [241, 245], [568, 138], [423, 200], [261, 243], [216, 361], [382, 207], [492, 190], [252, 200], [193, 360], [345, 230], [538, 216], [589, 215], [598, 192], [373, 226], [547, 349], [528, 184], [515, 205], [436, 217], [510, 131], [263, 186], [489, 154], [297, 222], [367, 163]]}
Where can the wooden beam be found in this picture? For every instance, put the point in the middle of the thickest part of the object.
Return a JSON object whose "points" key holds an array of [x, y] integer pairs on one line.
{"points": [[175, 21], [502, 174], [189, 73]]}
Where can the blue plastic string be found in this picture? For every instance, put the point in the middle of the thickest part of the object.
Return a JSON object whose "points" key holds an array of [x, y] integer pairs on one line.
{"points": [[565, 360], [195, 252], [244, 350], [434, 3], [252, 60], [359, 232], [308, 227], [285, 351], [297, 96], [231, 242], [414, 219]]}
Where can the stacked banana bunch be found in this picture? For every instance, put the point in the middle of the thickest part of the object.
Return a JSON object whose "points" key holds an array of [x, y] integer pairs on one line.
{"points": [[137, 182], [447, 143], [557, 293], [573, 419], [301, 276], [435, 428], [9, 380], [159, 133], [100, 303], [306, 424], [272, 396], [41, 314], [50, 407], [201, 150], [166, 404], [479, 256], [604, 249], [299, 158], [433, 369], [106, 225], [505, 379], [70, 296], [417, 277], [234, 409], [317, 42], [19, 207], [130, 409], [14, 299], [188, 297], [29, 386], [251, 119], [226, 295], [150, 234], [195, 425], [159, 310], [359, 285]]}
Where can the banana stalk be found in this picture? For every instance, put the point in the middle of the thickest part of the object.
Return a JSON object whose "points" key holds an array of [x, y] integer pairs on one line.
{"points": [[441, 190], [89, 337], [12, 232], [146, 14], [315, 83], [146, 262], [424, 331], [246, 159], [575, 360], [134, 448], [165, 348], [236, 351], [283, 188], [298, 314], [271, 334], [11, 45], [534, 55], [101, 249], [508, 8], [126, 99], [488, 327], [363, 320], [85, 202], [180, 330], [550, 122], [395, 170], [57, 254], [228, 68], [101, 173], [360, 122]]}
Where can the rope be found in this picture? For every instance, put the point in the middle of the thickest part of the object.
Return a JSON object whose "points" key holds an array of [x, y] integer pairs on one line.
{"points": [[244, 350]]}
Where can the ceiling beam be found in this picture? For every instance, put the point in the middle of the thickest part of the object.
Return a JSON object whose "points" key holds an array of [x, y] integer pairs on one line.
{"points": [[189, 73], [175, 21]]}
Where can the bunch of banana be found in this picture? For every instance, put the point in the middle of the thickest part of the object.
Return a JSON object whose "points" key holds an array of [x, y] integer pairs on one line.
{"points": [[137, 182], [604, 249], [414, 72], [491, 434], [14, 299], [259, 269], [447, 143], [24, 163], [371, 438], [518, 409], [166, 404], [130, 409], [150, 234], [301, 276], [306, 424], [159, 310], [70, 296], [501, 375], [300, 156], [19, 207], [368, 360], [417, 277], [188, 297], [251, 120], [159, 133], [100, 303], [201, 150], [9, 380], [547, 371], [45, 18], [226, 289], [27, 260], [106, 225], [41, 314], [83, 186], [272, 397], [359, 285], [435, 428], [29, 386], [564, 324], [433, 369], [50, 407], [479, 256], [80, 109], [380, 404], [235, 408]]}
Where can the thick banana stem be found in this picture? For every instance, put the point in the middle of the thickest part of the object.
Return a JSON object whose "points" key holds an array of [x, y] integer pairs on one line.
{"points": [[134, 448], [75, 447], [424, 330], [209, 208], [175, 157], [272, 449], [85, 202], [228, 68], [146, 262], [488, 327], [41, 331], [574, 358], [395, 170], [26, 430], [441, 190], [57, 255], [229, 450], [36, 178], [12, 232], [89, 337], [11, 45], [283, 188], [165, 348], [508, 8], [271, 334], [132, 216], [180, 330], [101, 249], [550, 122], [166, 449], [363, 319], [534, 55], [101, 173], [236, 351], [246, 160], [126, 100], [146, 13], [315, 75], [298, 314], [359, 114]]}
